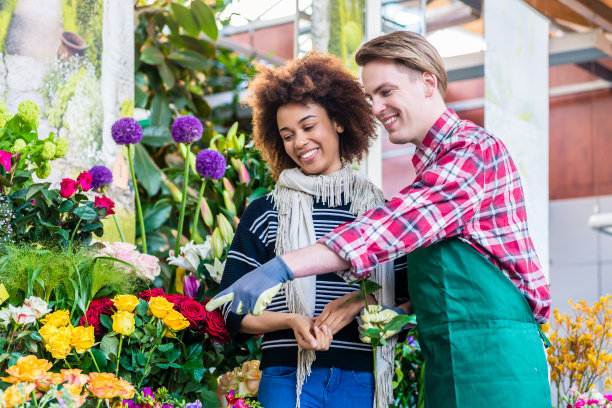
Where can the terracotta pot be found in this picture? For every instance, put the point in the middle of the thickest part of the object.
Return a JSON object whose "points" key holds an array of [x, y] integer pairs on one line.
{"points": [[72, 44]]}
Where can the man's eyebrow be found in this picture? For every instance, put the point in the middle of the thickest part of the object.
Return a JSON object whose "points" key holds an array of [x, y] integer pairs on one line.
{"points": [[383, 85], [299, 121]]}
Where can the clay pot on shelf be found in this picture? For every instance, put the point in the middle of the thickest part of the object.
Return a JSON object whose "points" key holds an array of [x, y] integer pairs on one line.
{"points": [[72, 44]]}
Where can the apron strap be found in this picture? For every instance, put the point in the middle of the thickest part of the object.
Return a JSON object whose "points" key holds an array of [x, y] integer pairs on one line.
{"points": [[544, 338]]}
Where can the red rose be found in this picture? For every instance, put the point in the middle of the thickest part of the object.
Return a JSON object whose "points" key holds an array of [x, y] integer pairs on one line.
{"points": [[176, 300], [84, 180], [103, 305], [214, 326], [105, 202], [193, 311], [92, 318], [148, 294], [67, 187]]}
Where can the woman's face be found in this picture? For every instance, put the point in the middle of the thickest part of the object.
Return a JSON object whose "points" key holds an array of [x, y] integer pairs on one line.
{"points": [[310, 137]]}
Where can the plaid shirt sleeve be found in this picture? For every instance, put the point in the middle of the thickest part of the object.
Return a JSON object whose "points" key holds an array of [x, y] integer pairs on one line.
{"points": [[443, 198]]}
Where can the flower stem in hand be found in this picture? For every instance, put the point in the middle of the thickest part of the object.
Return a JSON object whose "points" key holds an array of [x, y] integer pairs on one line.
{"points": [[138, 206], [179, 231]]}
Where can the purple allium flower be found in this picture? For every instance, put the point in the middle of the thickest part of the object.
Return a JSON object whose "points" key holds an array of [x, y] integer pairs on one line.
{"points": [[210, 164], [101, 176], [186, 129], [126, 131]]}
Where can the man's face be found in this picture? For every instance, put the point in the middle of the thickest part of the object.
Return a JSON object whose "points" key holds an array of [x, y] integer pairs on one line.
{"points": [[399, 99]]}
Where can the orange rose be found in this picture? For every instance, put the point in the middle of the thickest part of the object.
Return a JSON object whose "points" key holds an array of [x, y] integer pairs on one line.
{"points": [[126, 302], [74, 377], [160, 307], [57, 319], [175, 320], [28, 368], [107, 386], [45, 382], [12, 395]]}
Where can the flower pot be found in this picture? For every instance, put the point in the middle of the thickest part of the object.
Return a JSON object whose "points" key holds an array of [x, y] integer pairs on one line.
{"points": [[72, 44]]}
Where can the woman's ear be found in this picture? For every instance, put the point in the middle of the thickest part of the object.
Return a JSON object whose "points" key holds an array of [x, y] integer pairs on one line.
{"points": [[339, 128]]}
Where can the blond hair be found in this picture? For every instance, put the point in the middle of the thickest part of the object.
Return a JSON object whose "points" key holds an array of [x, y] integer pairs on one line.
{"points": [[407, 49]]}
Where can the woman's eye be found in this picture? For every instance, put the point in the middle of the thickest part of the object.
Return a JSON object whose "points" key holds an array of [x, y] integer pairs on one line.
{"points": [[286, 137], [307, 128]]}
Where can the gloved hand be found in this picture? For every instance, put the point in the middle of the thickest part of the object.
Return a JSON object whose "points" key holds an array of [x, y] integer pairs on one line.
{"points": [[377, 317], [255, 290]]}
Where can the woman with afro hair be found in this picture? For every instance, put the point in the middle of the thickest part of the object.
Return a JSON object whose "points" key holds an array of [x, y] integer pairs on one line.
{"points": [[311, 120]]}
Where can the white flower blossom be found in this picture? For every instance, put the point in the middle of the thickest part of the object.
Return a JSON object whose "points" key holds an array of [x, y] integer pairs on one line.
{"points": [[191, 255], [38, 305], [22, 315], [216, 270]]}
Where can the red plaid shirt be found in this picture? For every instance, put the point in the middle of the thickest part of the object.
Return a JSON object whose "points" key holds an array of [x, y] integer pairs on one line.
{"points": [[466, 186]]}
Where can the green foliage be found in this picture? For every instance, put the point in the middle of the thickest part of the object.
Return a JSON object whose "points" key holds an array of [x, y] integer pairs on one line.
{"points": [[337, 20], [49, 274], [7, 7], [409, 378]]}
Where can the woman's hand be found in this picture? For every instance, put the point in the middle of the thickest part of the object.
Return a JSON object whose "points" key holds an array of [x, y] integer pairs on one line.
{"points": [[338, 313], [308, 336]]}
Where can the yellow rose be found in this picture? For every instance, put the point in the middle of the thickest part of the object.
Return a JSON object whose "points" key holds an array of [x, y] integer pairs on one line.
{"points": [[57, 319], [252, 375], [126, 302], [47, 331], [175, 320], [12, 395], [59, 343], [160, 307], [28, 368], [82, 338], [123, 322]]}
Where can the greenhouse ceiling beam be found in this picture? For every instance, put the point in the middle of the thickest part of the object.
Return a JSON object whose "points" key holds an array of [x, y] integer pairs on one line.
{"points": [[569, 49], [249, 51], [597, 12]]}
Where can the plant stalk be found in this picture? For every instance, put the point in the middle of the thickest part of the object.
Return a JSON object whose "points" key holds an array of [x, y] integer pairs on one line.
{"points": [[143, 233], [116, 221], [179, 231]]}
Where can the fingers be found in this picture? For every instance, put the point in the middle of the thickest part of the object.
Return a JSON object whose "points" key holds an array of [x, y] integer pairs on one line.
{"points": [[219, 300], [303, 334], [265, 298], [324, 337]]}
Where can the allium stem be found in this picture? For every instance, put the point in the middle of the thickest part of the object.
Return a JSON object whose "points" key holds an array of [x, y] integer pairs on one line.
{"points": [[116, 221], [196, 215], [143, 233], [179, 231]]}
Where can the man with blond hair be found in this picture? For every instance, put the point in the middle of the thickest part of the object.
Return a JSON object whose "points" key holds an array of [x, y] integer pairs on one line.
{"points": [[474, 278]]}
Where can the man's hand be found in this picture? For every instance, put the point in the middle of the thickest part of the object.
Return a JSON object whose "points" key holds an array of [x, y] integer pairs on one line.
{"points": [[255, 290], [377, 317], [340, 312]]}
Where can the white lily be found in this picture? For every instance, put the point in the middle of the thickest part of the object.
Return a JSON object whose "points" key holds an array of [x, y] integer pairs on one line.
{"points": [[191, 255]]}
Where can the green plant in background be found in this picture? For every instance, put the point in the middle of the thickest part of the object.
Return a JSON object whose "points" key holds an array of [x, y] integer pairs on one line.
{"points": [[409, 379], [346, 29], [7, 8]]}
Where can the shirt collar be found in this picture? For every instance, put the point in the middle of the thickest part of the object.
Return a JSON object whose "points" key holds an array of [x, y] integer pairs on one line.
{"points": [[438, 132]]}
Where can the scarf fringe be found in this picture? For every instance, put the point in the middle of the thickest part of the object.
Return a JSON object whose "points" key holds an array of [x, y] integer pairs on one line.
{"points": [[333, 190]]}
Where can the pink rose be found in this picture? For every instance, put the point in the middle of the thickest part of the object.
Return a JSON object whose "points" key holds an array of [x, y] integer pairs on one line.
{"points": [[148, 265], [105, 202], [5, 159], [84, 180], [67, 187]]}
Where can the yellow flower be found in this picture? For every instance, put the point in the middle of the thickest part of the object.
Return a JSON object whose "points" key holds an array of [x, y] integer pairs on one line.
{"points": [[57, 319], [28, 368], [160, 307], [126, 302], [175, 320], [47, 331], [59, 343], [107, 386], [12, 395], [82, 338], [123, 322]]}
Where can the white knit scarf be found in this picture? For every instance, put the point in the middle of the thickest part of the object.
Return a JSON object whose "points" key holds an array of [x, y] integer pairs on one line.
{"points": [[293, 199]]}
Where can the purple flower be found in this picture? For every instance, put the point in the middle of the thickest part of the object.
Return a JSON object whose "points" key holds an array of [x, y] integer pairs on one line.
{"points": [[102, 176], [210, 164], [196, 404], [190, 285], [126, 131], [186, 129], [147, 392]]}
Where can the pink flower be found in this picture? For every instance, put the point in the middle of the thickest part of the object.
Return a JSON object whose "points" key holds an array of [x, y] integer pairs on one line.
{"points": [[84, 180], [67, 187], [580, 404], [37, 305], [5, 159], [22, 315], [105, 202], [191, 284], [148, 266], [608, 397], [593, 401]]}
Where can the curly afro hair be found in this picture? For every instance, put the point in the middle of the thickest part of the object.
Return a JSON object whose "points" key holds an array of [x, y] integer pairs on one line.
{"points": [[315, 78]]}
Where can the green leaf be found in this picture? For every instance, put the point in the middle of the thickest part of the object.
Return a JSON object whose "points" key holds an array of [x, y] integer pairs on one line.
{"points": [[146, 170], [165, 347], [166, 74], [85, 213], [151, 55], [66, 206], [195, 44], [100, 357], [173, 354], [193, 351], [208, 398], [109, 345], [35, 336], [370, 286], [259, 191], [34, 189], [106, 321], [155, 216], [185, 19], [195, 369], [398, 322], [206, 18], [161, 115], [156, 136], [190, 60], [142, 307]]}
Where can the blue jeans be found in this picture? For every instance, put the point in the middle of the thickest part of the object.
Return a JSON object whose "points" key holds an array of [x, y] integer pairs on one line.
{"points": [[324, 388]]}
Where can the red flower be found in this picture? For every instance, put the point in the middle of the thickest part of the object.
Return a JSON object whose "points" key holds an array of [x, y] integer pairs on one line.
{"points": [[193, 311], [67, 187], [177, 300], [103, 306], [92, 318], [214, 326], [84, 180], [5, 159], [148, 294], [105, 202]]}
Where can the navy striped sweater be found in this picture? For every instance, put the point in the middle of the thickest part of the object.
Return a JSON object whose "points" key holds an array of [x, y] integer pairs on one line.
{"points": [[253, 245]]}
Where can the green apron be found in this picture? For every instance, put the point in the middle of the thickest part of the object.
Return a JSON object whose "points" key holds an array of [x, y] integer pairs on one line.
{"points": [[481, 345]]}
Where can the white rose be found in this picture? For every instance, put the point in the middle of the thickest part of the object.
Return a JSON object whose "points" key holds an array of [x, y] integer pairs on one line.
{"points": [[22, 315], [5, 317], [39, 306], [148, 265]]}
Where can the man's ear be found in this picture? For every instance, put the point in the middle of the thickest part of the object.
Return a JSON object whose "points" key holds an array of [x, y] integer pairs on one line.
{"points": [[430, 82]]}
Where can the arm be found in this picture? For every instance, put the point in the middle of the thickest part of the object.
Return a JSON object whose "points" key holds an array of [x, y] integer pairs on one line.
{"points": [[340, 312]]}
